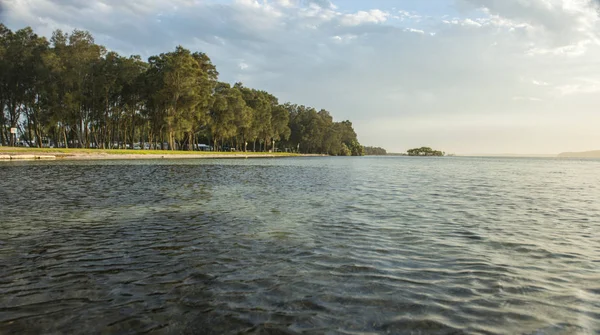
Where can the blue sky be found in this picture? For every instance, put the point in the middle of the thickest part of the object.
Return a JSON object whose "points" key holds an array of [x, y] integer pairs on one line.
{"points": [[464, 76]]}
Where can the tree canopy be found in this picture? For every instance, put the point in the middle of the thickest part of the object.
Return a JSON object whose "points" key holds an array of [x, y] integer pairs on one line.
{"points": [[71, 92]]}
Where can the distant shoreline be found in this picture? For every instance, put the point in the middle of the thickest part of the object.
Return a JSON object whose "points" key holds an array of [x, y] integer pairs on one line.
{"points": [[582, 154], [509, 155], [19, 154]]}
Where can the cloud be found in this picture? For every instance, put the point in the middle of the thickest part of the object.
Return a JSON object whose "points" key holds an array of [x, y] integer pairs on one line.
{"points": [[526, 99], [469, 81], [322, 3], [405, 15], [580, 86], [539, 83], [412, 30], [361, 17], [559, 23], [285, 3]]}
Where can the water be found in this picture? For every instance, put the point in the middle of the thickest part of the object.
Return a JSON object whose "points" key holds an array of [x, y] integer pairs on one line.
{"points": [[301, 245]]}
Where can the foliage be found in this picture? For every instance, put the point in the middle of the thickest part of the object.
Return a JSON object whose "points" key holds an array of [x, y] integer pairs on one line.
{"points": [[375, 151], [70, 92], [424, 151]]}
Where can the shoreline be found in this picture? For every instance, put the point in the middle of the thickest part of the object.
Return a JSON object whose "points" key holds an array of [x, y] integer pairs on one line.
{"points": [[23, 154]]}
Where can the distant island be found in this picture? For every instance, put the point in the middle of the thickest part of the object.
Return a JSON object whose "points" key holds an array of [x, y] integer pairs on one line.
{"points": [[583, 154], [424, 151]]}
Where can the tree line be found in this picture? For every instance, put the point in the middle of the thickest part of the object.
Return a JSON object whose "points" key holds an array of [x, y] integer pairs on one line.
{"points": [[71, 92], [375, 151]]}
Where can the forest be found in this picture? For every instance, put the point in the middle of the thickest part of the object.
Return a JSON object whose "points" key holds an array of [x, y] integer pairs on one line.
{"points": [[71, 92]]}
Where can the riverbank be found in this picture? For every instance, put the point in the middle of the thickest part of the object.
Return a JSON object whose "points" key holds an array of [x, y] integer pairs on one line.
{"points": [[12, 153]]}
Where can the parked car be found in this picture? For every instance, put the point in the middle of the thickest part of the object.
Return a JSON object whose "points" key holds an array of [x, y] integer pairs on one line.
{"points": [[204, 147]]}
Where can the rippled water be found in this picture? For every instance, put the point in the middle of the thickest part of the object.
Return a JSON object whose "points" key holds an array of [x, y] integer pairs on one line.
{"points": [[301, 245]]}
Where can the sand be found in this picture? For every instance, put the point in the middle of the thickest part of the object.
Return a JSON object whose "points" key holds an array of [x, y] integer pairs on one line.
{"points": [[31, 154]]}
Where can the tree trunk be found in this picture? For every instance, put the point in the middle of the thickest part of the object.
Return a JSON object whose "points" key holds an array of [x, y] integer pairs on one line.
{"points": [[3, 138], [86, 139], [65, 135], [80, 132], [132, 128], [38, 132]]}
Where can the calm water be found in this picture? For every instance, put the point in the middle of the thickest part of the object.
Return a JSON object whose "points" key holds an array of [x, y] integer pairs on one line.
{"points": [[301, 245]]}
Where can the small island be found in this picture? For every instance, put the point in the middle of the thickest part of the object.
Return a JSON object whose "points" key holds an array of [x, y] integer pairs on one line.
{"points": [[424, 151]]}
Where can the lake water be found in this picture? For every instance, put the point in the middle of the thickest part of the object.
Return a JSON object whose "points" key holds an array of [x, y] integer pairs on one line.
{"points": [[301, 245]]}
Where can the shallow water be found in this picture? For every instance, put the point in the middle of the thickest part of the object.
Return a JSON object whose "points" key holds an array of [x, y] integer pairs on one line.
{"points": [[316, 245]]}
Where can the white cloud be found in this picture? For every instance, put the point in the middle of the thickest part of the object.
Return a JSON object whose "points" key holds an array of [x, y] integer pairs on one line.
{"points": [[580, 86], [563, 22], [572, 50], [361, 17], [344, 38], [469, 22], [412, 30], [526, 99], [405, 15], [285, 3]]}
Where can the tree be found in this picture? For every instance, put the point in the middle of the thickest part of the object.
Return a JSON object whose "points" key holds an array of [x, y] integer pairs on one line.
{"points": [[130, 84], [78, 58], [180, 91], [227, 103], [205, 85], [21, 54], [280, 120]]}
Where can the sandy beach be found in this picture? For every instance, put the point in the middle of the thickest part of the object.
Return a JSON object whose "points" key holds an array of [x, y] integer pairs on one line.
{"points": [[9, 153]]}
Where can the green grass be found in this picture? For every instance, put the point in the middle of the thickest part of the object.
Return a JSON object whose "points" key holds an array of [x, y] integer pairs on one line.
{"points": [[65, 151]]}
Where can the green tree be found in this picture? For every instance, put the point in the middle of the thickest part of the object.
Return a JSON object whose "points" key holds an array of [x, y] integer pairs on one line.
{"points": [[280, 120], [223, 116], [21, 52], [179, 94]]}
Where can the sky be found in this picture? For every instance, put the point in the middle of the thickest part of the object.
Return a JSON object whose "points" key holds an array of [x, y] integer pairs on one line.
{"points": [[462, 76]]}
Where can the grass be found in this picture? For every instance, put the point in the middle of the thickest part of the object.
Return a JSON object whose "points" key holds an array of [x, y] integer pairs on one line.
{"points": [[75, 151]]}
